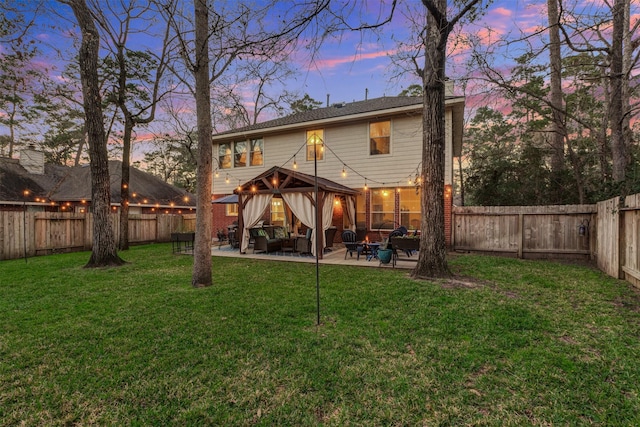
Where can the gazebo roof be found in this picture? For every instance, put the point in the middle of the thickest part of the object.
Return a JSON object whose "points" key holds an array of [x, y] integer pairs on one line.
{"points": [[280, 180]]}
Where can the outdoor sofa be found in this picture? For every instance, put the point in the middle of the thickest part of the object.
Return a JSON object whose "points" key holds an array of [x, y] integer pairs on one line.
{"points": [[269, 238]]}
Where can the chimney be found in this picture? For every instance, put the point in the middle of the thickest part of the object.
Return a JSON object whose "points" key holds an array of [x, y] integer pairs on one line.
{"points": [[448, 87], [32, 160]]}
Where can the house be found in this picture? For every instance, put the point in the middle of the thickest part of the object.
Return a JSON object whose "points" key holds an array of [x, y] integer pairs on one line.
{"points": [[29, 183], [373, 146]]}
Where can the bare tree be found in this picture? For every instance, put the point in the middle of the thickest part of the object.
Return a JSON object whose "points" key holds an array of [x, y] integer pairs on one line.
{"points": [[104, 252], [222, 37], [136, 77]]}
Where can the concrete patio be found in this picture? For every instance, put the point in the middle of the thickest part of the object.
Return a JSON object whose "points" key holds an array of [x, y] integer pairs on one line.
{"points": [[335, 257]]}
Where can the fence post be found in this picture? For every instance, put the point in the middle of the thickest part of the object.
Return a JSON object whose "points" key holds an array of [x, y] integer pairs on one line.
{"points": [[520, 235]]}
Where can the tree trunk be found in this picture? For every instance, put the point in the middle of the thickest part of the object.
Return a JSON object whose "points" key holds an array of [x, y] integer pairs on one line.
{"points": [[202, 247], [432, 260], [618, 143], [627, 69], [555, 94], [124, 184], [104, 246]]}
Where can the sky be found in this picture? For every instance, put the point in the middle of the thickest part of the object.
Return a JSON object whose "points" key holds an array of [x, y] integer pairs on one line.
{"points": [[356, 65]]}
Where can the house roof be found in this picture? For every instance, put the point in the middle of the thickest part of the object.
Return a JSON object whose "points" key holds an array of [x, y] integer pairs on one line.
{"points": [[344, 112], [62, 184]]}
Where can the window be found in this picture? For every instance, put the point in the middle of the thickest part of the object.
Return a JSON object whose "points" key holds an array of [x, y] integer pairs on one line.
{"points": [[315, 139], [410, 208], [382, 209], [224, 156], [257, 148], [380, 137], [240, 154], [245, 153], [277, 212], [232, 209]]}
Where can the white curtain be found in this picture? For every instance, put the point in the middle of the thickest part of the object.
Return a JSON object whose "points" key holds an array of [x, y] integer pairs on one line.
{"points": [[251, 214], [302, 208], [327, 212]]}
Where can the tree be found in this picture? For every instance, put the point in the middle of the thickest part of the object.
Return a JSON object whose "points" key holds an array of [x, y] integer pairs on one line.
{"points": [[136, 77], [20, 81], [306, 103], [173, 159], [264, 79], [412, 90], [223, 37], [558, 130], [104, 251], [432, 257], [202, 247]]}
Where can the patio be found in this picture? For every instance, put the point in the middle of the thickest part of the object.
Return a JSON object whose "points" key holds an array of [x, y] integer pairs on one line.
{"points": [[334, 257]]}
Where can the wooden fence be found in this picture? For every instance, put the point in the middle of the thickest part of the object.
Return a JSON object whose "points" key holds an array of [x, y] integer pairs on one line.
{"points": [[526, 231], [608, 232], [619, 238], [40, 233]]}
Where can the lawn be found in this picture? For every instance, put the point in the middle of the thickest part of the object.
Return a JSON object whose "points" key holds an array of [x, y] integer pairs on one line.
{"points": [[510, 342]]}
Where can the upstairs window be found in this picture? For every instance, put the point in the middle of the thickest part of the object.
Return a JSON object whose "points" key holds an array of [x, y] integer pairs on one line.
{"points": [[240, 154], [380, 137], [257, 148], [224, 156], [315, 140]]}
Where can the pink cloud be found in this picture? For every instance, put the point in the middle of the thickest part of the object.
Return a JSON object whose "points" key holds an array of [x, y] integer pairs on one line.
{"points": [[501, 11], [331, 63]]}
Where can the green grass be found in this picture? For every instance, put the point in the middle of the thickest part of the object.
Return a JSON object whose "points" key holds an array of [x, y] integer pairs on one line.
{"points": [[514, 343]]}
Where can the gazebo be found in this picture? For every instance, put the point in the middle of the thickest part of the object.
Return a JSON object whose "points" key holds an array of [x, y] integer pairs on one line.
{"points": [[298, 191]]}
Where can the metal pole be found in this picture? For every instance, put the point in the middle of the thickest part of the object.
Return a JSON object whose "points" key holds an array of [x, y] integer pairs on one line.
{"points": [[24, 224], [315, 187]]}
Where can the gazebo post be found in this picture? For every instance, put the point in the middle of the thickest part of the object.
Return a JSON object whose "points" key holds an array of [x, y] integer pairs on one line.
{"points": [[240, 231]]}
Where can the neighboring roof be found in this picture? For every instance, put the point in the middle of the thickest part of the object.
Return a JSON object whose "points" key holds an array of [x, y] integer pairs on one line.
{"points": [[62, 184], [290, 181], [227, 200], [343, 112]]}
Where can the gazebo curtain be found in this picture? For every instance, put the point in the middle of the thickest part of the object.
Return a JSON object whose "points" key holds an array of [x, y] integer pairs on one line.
{"points": [[251, 214], [327, 212], [302, 208], [350, 211]]}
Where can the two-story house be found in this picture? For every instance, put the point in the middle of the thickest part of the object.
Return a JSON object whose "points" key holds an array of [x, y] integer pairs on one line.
{"points": [[373, 146]]}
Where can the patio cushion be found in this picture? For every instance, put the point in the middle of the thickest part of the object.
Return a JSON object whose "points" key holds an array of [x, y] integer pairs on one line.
{"points": [[280, 233]]}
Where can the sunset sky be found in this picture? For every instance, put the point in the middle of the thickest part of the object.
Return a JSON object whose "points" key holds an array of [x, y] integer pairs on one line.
{"points": [[347, 66]]}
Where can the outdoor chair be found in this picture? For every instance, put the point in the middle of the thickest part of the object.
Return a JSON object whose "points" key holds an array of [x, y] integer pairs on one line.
{"points": [[350, 240], [303, 243], [398, 232], [329, 235]]}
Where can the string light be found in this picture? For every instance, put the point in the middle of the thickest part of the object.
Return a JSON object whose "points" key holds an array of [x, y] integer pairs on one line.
{"points": [[344, 172], [295, 164], [226, 179], [365, 184], [217, 174]]}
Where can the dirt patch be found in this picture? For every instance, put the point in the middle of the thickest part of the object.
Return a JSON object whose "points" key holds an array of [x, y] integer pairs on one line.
{"points": [[460, 282]]}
